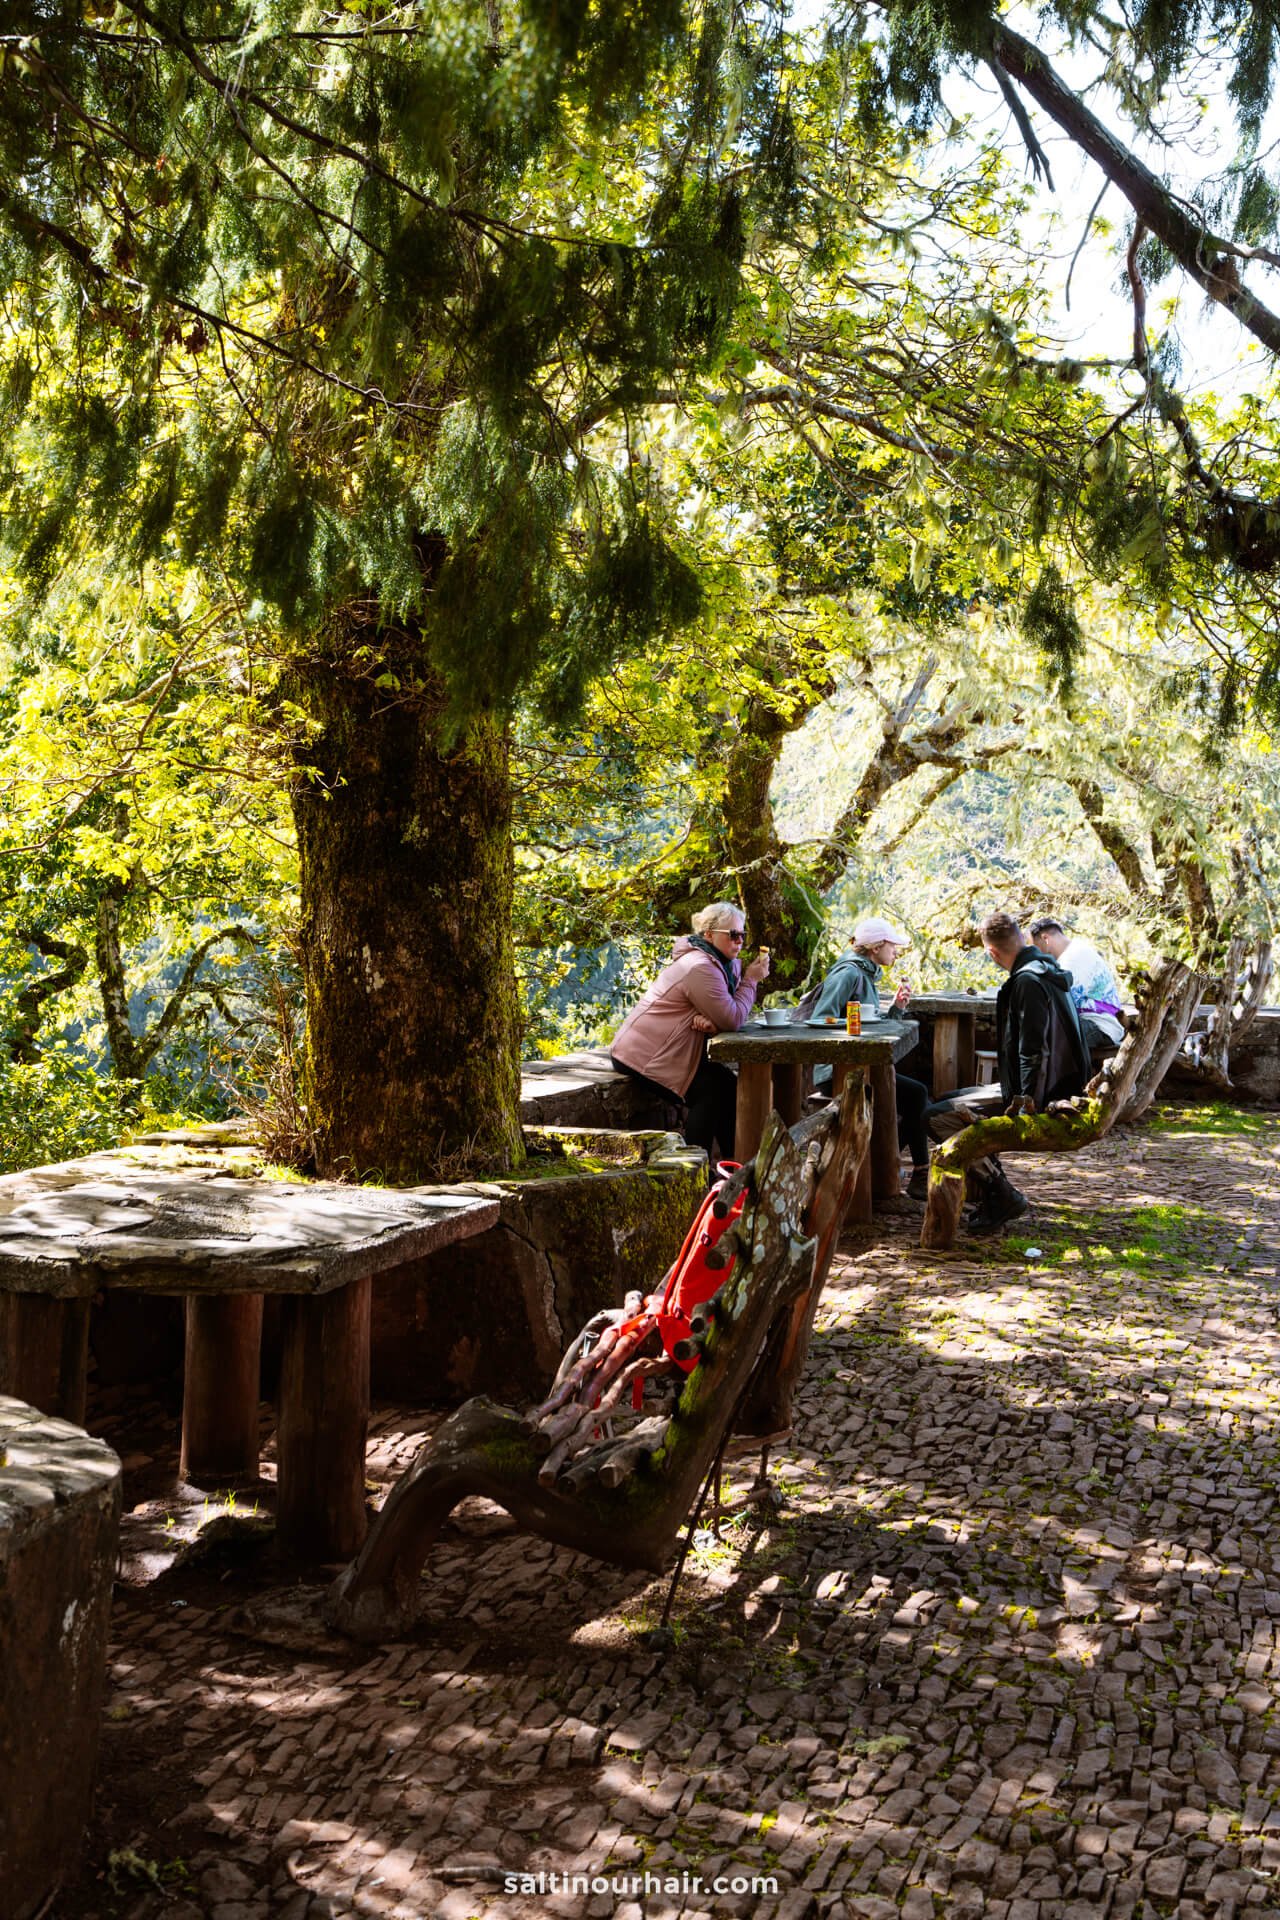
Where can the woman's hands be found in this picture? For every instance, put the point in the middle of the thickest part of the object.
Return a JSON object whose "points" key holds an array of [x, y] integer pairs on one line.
{"points": [[759, 968], [700, 1024], [903, 994]]}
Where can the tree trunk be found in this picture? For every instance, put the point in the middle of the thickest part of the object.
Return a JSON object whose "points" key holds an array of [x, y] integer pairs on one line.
{"points": [[109, 960], [404, 840], [778, 913], [29, 1002]]}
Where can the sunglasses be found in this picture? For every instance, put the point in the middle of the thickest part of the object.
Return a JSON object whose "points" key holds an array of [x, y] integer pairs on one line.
{"points": [[734, 933]]}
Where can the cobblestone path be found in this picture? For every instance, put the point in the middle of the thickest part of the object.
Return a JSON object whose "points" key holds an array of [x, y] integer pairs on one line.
{"points": [[1010, 1649]]}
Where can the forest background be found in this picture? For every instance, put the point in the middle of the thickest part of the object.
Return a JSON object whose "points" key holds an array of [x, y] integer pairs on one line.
{"points": [[673, 414]]}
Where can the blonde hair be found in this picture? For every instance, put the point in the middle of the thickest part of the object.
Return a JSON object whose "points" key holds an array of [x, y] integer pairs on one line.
{"points": [[718, 916]]}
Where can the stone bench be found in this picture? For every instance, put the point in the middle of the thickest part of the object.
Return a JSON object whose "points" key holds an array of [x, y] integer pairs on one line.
{"points": [[59, 1524], [585, 1090]]}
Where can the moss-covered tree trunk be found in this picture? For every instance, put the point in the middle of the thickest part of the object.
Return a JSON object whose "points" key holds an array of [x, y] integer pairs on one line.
{"points": [[779, 913], [404, 838]]}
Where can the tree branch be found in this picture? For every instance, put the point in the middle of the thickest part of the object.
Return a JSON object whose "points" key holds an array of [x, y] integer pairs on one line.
{"points": [[1209, 260]]}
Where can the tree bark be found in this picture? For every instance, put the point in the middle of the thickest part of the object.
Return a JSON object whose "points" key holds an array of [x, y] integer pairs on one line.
{"points": [[109, 959], [1114, 841], [404, 840], [30, 1000], [778, 915]]}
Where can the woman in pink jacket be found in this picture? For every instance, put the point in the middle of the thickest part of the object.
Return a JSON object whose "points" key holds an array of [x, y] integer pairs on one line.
{"points": [[663, 1041]]}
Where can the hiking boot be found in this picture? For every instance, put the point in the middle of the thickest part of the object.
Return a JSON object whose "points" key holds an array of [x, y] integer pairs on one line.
{"points": [[918, 1184], [1001, 1203]]}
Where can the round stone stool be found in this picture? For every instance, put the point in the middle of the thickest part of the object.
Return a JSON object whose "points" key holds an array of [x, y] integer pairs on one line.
{"points": [[59, 1522]]}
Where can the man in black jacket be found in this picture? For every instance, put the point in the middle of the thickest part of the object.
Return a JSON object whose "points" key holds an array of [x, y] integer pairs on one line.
{"points": [[1042, 1055]]}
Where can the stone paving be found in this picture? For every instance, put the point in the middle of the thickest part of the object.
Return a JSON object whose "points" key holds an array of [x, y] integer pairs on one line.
{"points": [[1010, 1649]]}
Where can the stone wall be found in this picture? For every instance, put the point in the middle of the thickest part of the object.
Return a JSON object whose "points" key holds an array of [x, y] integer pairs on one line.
{"points": [[1255, 1063], [495, 1313], [59, 1521]]}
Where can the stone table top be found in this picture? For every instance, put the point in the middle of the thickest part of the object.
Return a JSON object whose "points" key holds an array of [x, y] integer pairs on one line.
{"points": [[953, 1000], [178, 1233], [807, 1045]]}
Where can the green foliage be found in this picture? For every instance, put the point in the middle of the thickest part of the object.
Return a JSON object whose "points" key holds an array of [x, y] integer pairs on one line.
{"points": [[360, 334], [1050, 622], [56, 1108], [143, 822]]}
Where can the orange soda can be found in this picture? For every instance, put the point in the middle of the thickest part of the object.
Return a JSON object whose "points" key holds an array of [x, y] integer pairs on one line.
{"points": [[853, 1017]]}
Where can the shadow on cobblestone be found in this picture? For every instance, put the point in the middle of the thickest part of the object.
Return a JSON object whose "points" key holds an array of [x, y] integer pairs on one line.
{"points": [[1010, 1649]]}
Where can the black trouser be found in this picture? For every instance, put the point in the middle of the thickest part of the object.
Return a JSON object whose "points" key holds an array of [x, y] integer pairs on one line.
{"points": [[913, 1098], [946, 1118], [712, 1103]]}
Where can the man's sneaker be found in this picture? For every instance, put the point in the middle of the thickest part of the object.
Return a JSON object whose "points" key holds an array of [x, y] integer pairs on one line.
{"points": [[1001, 1203], [918, 1184]]}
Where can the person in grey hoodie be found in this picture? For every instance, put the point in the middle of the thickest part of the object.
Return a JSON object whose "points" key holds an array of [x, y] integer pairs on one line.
{"points": [[875, 947], [663, 1041]]}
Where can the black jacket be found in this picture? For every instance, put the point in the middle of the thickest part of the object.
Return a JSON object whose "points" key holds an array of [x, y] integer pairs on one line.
{"points": [[1039, 1038]]}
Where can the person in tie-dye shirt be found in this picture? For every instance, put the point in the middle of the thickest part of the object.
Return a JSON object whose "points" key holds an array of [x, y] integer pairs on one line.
{"points": [[1094, 987]]}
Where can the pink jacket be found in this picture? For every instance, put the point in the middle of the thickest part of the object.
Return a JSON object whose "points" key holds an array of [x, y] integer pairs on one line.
{"points": [[656, 1037]]}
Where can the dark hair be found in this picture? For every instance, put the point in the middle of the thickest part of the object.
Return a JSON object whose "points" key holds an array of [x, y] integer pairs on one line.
{"points": [[1000, 929], [1047, 925]]}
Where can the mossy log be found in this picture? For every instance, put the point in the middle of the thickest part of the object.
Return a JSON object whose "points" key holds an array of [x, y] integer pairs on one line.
{"points": [[1123, 1090], [625, 1500]]}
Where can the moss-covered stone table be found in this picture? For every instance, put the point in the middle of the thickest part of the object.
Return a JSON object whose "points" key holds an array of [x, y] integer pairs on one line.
{"points": [[224, 1243], [771, 1063]]}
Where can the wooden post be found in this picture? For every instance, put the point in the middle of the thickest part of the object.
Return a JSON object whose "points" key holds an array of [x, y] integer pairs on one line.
{"points": [[786, 1091], [755, 1098], [220, 1388], [946, 1055], [966, 1040], [886, 1183], [324, 1422], [44, 1352]]}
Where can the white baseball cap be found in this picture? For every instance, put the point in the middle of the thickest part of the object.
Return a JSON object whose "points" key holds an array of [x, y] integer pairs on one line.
{"points": [[870, 932]]}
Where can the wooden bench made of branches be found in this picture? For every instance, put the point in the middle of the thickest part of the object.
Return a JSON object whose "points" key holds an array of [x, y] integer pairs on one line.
{"points": [[1122, 1090], [612, 1461]]}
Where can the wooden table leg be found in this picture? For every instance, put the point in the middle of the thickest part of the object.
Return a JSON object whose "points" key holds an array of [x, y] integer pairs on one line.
{"points": [[220, 1388], [324, 1422], [860, 1207], [946, 1055], [44, 1352], [886, 1183], [966, 1041], [786, 1091], [839, 1074], [755, 1099]]}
